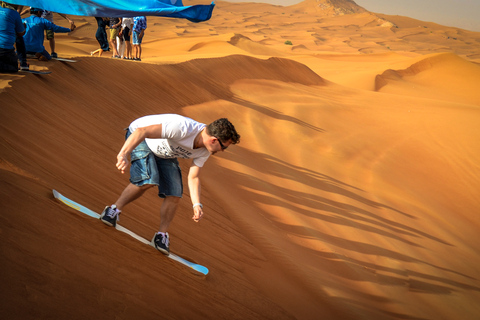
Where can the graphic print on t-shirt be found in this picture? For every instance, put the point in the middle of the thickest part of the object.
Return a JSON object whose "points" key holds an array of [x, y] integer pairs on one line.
{"points": [[165, 150]]}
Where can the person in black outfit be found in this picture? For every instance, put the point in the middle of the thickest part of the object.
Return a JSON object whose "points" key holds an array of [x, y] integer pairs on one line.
{"points": [[101, 36]]}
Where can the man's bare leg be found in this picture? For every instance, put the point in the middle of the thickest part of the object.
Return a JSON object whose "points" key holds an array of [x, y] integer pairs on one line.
{"points": [[52, 44], [167, 212], [131, 193]]}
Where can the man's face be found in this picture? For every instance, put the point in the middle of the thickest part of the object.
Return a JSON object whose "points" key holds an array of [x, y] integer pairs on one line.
{"points": [[215, 145]]}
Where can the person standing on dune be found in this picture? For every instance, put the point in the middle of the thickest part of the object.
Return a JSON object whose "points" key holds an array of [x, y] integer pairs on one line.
{"points": [[154, 143], [114, 26], [126, 32], [139, 26], [101, 36]]}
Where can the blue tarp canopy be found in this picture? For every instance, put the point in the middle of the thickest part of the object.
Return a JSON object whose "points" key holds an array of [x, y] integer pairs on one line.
{"points": [[123, 8]]}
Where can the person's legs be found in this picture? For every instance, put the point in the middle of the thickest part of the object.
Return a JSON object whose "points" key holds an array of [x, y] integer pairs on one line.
{"points": [[143, 175], [113, 44], [135, 44], [139, 42], [167, 212], [128, 47], [170, 188], [50, 35], [161, 239], [131, 193], [8, 60], [21, 52], [110, 215], [95, 52], [113, 41], [52, 48]]}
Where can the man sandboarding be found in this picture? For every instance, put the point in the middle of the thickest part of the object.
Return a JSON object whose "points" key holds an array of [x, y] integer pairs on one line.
{"points": [[154, 143]]}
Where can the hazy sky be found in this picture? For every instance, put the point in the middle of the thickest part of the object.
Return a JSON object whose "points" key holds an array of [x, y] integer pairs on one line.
{"points": [[463, 14]]}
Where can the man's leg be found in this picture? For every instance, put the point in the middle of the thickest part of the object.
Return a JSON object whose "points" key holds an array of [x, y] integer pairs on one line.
{"points": [[129, 50], [50, 35], [113, 43], [8, 60], [131, 193], [167, 212], [110, 215], [52, 45], [21, 52], [161, 240]]}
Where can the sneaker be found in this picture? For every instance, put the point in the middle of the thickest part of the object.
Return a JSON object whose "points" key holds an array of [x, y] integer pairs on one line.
{"points": [[110, 216], [54, 55], [25, 67], [161, 242]]}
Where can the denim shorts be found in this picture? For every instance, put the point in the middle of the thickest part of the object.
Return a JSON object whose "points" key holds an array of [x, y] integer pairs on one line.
{"points": [[136, 40], [147, 168]]}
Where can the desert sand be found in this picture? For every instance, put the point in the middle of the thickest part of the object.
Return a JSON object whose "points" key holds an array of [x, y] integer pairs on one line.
{"points": [[354, 193]]}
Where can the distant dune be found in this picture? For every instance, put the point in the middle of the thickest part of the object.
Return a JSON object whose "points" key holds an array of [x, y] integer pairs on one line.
{"points": [[352, 195], [327, 7]]}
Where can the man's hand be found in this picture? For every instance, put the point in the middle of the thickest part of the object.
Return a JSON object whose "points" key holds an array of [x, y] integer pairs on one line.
{"points": [[197, 213], [122, 162]]}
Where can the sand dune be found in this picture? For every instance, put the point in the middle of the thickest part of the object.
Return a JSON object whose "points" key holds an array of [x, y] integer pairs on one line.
{"points": [[352, 195], [440, 76]]}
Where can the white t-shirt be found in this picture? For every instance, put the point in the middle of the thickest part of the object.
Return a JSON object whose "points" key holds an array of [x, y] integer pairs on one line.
{"points": [[178, 134], [127, 22]]}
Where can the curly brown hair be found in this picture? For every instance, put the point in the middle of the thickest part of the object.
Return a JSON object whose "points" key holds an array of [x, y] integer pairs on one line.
{"points": [[223, 130]]}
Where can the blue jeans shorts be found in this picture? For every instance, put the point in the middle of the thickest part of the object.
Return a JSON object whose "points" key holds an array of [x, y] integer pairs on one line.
{"points": [[147, 168], [136, 40]]}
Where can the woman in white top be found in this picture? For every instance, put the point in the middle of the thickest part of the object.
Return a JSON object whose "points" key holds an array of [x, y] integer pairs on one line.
{"points": [[126, 32]]}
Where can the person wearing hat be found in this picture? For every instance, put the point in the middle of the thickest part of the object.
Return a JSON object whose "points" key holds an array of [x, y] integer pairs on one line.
{"points": [[34, 35]]}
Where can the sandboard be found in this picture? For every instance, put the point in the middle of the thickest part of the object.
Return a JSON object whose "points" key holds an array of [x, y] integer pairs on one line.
{"points": [[72, 204], [35, 71], [64, 60]]}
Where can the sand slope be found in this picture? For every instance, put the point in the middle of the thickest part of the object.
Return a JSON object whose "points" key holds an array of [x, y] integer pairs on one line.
{"points": [[352, 195]]}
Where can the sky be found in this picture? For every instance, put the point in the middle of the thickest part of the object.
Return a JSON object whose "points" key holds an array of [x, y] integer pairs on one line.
{"points": [[463, 14]]}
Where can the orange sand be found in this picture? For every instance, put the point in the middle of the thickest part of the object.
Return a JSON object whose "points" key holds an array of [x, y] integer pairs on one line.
{"points": [[354, 193]]}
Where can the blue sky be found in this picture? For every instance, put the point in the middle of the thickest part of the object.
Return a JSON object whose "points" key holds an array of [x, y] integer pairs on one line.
{"points": [[463, 14]]}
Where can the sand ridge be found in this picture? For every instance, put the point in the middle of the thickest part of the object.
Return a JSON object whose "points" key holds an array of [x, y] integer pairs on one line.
{"points": [[352, 195]]}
